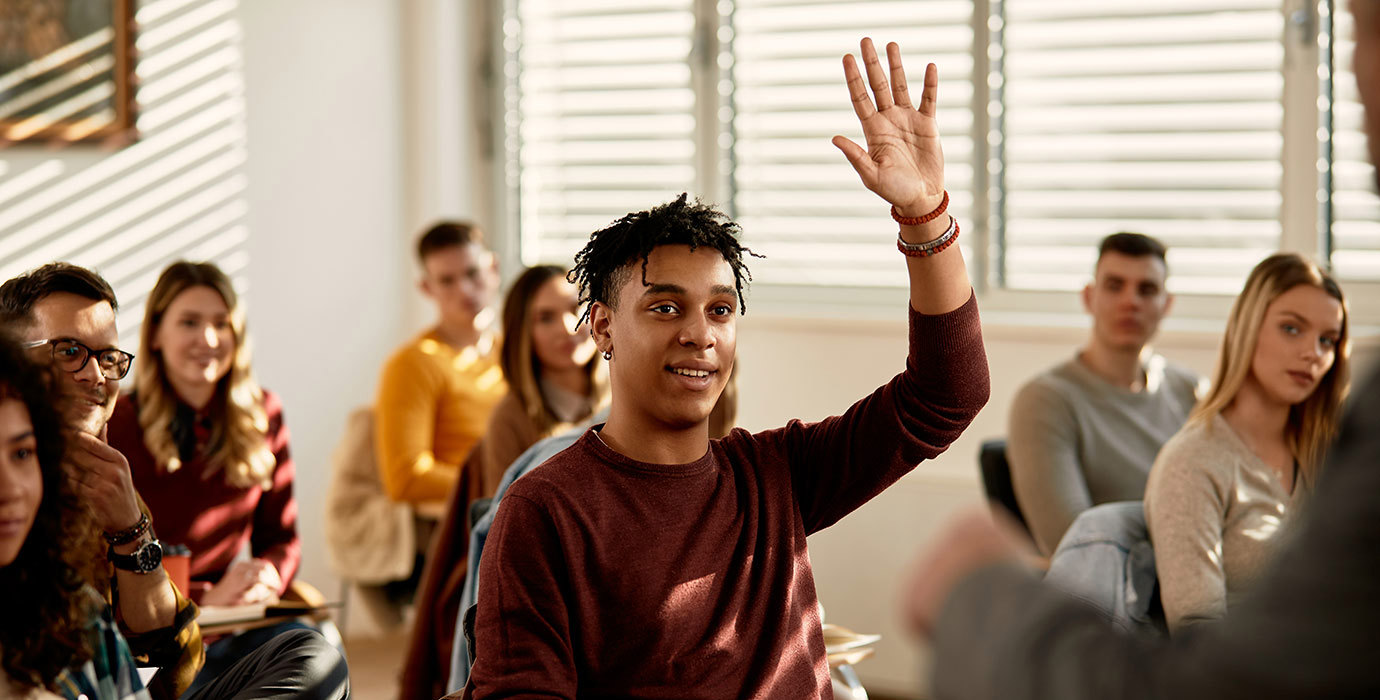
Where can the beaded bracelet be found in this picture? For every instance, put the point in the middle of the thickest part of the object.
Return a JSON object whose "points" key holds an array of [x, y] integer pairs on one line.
{"points": [[928, 248], [917, 220], [129, 534]]}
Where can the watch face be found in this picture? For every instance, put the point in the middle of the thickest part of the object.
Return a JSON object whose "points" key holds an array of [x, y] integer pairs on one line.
{"points": [[148, 557]]}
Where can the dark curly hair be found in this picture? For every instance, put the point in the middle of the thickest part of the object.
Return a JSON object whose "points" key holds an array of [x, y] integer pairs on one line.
{"points": [[43, 625], [602, 266]]}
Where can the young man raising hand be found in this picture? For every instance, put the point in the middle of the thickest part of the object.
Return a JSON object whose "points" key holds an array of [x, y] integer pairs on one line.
{"points": [[648, 561]]}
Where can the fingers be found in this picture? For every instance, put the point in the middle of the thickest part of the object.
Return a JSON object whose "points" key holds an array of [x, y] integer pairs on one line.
{"points": [[862, 106], [929, 98], [900, 90], [867, 169], [876, 77]]}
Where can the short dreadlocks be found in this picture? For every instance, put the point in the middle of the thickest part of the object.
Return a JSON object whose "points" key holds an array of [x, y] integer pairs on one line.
{"points": [[601, 267]]}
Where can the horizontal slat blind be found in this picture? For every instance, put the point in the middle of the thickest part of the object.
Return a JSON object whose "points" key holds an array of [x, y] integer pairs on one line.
{"points": [[798, 200], [1355, 207], [605, 115], [1163, 118]]}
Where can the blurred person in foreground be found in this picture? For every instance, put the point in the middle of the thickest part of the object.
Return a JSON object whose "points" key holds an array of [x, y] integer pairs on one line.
{"points": [[1306, 631]]}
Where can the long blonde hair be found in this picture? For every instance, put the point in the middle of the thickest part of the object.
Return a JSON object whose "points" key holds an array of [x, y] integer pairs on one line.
{"points": [[1312, 422], [238, 443], [521, 367]]}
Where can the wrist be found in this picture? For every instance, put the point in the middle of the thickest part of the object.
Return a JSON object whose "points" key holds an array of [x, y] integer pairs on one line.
{"points": [[923, 233], [130, 533], [929, 207]]}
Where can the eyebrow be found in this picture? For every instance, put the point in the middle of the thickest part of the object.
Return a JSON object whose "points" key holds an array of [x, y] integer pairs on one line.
{"points": [[654, 289], [21, 436]]}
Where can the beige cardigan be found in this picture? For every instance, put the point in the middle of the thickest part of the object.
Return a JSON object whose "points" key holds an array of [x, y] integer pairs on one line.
{"points": [[1215, 513]]}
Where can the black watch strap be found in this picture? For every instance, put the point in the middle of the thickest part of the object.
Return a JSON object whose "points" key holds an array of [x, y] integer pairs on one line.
{"points": [[144, 560]]}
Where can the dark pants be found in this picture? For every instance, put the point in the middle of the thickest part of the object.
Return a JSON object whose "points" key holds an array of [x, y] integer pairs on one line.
{"points": [[297, 663]]}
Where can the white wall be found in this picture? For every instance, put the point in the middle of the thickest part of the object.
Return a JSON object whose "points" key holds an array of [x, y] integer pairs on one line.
{"points": [[330, 279]]}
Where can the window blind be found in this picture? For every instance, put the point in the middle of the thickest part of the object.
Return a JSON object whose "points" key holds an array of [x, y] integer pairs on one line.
{"points": [[1355, 208], [1161, 118], [799, 201], [605, 115]]}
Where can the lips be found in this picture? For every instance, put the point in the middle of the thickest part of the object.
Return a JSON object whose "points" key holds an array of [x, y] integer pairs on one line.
{"points": [[1303, 379], [693, 375], [11, 527]]}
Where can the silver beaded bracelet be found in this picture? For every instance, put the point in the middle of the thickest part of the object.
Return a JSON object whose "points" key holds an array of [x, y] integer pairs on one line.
{"points": [[922, 249]]}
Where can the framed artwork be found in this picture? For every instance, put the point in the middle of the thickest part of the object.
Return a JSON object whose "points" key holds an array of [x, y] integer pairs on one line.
{"points": [[66, 71]]}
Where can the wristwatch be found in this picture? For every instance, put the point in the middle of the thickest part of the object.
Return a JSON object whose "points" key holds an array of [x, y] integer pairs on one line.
{"points": [[144, 560]]}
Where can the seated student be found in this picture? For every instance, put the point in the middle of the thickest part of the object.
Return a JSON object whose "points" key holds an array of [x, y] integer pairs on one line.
{"points": [[59, 638], [1086, 431], [65, 316], [437, 392], [554, 375], [1222, 489], [555, 381], [208, 449], [647, 560]]}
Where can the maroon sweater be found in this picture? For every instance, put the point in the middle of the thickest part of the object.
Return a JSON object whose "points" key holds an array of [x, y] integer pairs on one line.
{"points": [[607, 577], [214, 519]]}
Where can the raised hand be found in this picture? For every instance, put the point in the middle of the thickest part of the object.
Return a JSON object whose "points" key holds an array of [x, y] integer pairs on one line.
{"points": [[903, 162]]}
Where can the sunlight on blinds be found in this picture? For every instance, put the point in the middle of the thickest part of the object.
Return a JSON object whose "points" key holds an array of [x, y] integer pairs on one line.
{"points": [[605, 115], [178, 192], [799, 201], [1160, 118], [1355, 207]]}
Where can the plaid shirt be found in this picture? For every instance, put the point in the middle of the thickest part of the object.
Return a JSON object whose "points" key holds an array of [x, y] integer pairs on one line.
{"points": [[110, 674]]}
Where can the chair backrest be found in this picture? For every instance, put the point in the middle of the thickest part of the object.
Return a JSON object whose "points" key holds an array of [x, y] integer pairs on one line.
{"points": [[996, 479]]}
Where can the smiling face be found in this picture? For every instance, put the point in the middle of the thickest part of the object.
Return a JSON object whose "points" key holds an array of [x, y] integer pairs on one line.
{"points": [[673, 339], [87, 397], [1297, 345], [558, 342], [196, 340], [1127, 300], [21, 480]]}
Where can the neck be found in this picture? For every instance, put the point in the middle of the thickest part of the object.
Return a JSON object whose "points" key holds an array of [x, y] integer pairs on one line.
{"points": [[1116, 366], [654, 443], [1257, 419], [458, 334], [574, 379], [197, 396]]}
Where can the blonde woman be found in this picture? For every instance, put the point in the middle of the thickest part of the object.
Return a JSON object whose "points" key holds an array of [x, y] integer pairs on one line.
{"points": [[1224, 487], [552, 368], [207, 447]]}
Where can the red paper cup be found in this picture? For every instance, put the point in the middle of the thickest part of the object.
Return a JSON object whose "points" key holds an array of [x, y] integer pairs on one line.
{"points": [[178, 566]]}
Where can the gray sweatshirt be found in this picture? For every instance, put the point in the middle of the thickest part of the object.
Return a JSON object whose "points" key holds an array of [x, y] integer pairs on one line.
{"points": [[1075, 440]]}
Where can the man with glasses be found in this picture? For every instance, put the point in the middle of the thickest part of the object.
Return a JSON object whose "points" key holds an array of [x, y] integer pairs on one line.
{"points": [[65, 315]]}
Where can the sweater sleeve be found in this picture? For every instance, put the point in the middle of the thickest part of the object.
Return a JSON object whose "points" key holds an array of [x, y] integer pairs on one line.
{"points": [[275, 517], [1042, 448], [523, 646], [843, 461], [1185, 506], [405, 424]]}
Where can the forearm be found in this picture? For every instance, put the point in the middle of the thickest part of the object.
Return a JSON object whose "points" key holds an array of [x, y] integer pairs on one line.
{"points": [[938, 283], [146, 601]]}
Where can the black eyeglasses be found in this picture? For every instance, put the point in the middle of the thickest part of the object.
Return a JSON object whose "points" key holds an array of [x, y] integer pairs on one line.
{"points": [[72, 356]]}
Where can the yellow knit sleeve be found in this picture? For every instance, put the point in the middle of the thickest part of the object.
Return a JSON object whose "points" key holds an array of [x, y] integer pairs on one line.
{"points": [[405, 424]]}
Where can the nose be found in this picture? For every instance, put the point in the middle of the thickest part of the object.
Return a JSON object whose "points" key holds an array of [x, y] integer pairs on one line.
{"points": [[9, 482], [90, 373], [210, 337], [695, 331]]}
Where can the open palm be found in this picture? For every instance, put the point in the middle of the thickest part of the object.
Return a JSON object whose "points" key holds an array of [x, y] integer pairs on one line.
{"points": [[903, 162]]}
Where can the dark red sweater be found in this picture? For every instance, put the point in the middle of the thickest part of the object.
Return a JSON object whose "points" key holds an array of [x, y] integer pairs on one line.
{"points": [[214, 519], [607, 577]]}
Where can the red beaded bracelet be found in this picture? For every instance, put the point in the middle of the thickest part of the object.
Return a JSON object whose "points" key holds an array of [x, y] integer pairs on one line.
{"points": [[928, 248], [917, 220]]}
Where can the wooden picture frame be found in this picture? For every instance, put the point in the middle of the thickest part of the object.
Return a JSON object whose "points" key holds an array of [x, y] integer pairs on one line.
{"points": [[67, 71]]}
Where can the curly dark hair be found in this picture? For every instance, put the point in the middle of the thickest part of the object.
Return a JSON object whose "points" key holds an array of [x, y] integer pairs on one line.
{"points": [[43, 627], [603, 265]]}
